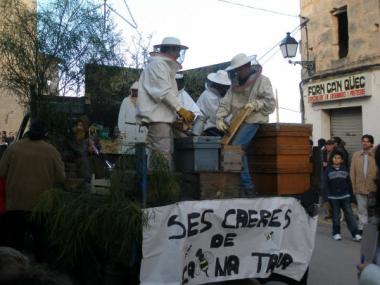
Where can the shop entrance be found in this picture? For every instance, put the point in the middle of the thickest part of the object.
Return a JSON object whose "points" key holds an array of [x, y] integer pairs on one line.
{"points": [[346, 123]]}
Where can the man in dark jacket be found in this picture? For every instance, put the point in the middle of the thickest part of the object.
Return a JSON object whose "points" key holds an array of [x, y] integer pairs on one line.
{"points": [[30, 167]]}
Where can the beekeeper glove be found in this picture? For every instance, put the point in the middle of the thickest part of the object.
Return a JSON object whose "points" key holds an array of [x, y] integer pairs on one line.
{"points": [[186, 115], [221, 125], [252, 105]]}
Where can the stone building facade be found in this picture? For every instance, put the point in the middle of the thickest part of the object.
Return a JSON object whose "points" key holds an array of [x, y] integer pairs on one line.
{"points": [[11, 112], [341, 97]]}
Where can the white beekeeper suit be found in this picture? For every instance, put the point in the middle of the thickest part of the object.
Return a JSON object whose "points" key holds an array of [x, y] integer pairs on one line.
{"points": [[210, 98], [252, 91], [186, 100], [130, 131], [157, 103], [256, 90]]}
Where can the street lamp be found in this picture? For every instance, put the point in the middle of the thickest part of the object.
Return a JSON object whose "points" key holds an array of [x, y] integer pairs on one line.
{"points": [[289, 47]]}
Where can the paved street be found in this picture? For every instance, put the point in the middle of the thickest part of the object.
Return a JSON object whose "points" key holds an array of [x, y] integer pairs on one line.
{"points": [[334, 262]]}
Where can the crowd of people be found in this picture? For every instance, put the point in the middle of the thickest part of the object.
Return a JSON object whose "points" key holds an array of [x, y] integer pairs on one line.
{"points": [[353, 183], [5, 141], [157, 108]]}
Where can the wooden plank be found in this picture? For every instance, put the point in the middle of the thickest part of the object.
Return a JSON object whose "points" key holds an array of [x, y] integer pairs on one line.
{"points": [[232, 148], [279, 159], [230, 158], [235, 125], [231, 167], [272, 149]]}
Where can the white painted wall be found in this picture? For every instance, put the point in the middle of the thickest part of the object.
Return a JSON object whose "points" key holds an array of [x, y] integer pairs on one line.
{"points": [[317, 113]]}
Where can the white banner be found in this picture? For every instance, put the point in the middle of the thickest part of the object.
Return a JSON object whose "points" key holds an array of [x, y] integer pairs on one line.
{"points": [[198, 242]]}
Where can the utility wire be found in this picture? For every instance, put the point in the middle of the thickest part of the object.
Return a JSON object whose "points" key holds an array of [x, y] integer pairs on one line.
{"points": [[291, 110], [260, 9], [296, 29], [269, 58], [278, 49]]}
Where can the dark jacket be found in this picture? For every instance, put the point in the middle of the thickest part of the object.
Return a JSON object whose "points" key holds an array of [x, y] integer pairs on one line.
{"points": [[338, 183], [30, 167]]}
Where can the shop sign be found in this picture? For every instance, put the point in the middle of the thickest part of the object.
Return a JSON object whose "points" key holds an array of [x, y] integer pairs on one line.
{"points": [[340, 88]]}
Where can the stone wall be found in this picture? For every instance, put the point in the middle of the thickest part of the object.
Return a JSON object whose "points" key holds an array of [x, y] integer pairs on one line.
{"points": [[322, 33], [11, 113]]}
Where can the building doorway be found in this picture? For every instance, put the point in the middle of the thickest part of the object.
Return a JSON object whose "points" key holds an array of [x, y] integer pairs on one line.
{"points": [[346, 123]]}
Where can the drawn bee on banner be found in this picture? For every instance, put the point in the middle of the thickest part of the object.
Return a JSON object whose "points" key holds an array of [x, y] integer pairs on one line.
{"points": [[204, 260], [269, 235]]}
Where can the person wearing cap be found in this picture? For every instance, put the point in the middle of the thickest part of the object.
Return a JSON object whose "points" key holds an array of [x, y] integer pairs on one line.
{"points": [[30, 167], [157, 103], [216, 88], [249, 90], [129, 130]]}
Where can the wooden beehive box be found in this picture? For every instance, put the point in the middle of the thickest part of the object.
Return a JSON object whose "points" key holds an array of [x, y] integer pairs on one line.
{"points": [[231, 158], [279, 159]]}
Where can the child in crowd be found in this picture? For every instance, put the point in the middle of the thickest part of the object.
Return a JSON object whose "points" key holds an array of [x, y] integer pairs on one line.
{"points": [[339, 191]]}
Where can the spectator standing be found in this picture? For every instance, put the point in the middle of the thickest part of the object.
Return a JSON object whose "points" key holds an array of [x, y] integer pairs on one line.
{"points": [[340, 145], [321, 143], [363, 174], [30, 167], [78, 149], [4, 135], [369, 274], [339, 191], [10, 139], [326, 154]]}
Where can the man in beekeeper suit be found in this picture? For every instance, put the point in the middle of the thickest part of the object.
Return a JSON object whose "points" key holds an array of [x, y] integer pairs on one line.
{"points": [[249, 90], [216, 87], [130, 131], [157, 103]]}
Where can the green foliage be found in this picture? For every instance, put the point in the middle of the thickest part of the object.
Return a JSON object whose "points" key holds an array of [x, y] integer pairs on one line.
{"points": [[164, 184], [46, 49], [106, 87], [195, 79], [83, 222]]}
